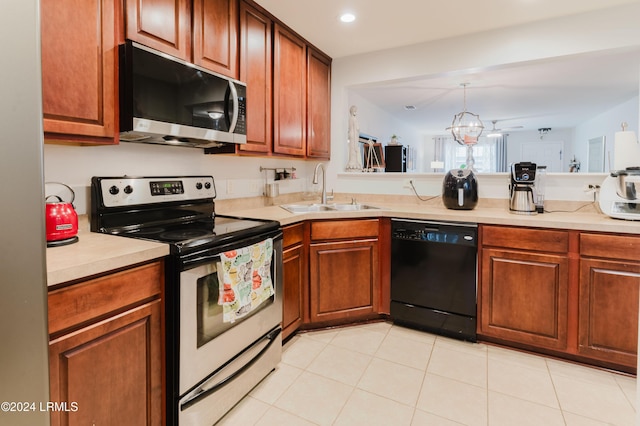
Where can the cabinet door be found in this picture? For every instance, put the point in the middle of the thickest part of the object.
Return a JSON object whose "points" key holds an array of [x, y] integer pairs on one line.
{"points": [[256, 71], [289, 93], [318, 105], [343, 280], [79, 76], [608, 311], [524, 297], [293, 299], [215, 36], [164, 25], [112, 370]]}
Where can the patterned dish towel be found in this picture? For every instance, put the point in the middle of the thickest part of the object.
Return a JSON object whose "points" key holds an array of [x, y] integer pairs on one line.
{"points": [[246, 278]]}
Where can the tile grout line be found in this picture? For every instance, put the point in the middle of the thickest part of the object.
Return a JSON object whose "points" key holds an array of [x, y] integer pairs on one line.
{"points": [[487, 389], [424, 378], [354, 387]]}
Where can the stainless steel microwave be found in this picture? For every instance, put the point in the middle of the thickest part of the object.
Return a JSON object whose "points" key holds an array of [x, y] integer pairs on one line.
{"points": [[165, 100]]}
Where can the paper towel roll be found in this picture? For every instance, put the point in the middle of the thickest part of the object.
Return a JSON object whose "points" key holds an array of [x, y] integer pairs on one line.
{"points": [[626, 151]]}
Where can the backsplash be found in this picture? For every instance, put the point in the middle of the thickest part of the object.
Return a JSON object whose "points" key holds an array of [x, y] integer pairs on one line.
{"points": [[240, 177]]}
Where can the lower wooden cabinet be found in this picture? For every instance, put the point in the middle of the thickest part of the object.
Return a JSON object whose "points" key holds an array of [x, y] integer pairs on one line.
{"points": [[608, 311], [332, 272], [566, 293], [106, 349], [524, 297], [343, 270], [608, 298], [295, 279]]}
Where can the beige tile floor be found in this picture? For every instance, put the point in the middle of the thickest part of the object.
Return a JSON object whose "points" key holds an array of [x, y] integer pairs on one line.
{"points": [[383, 374]]}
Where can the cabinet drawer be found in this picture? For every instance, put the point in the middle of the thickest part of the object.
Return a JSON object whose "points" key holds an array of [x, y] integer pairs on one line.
{"points": [[337, 229], [610, 246], [292, 235], [80, 303], [546, 240]]}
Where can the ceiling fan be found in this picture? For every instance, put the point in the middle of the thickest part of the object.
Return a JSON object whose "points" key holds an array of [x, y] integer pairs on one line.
{"points": [[496, 133]]}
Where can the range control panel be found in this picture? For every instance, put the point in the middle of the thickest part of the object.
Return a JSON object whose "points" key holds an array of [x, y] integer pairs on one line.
{"points": [[131, 191]]}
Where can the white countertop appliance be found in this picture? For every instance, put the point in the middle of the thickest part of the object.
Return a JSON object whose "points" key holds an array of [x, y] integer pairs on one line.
{"points": [[620, 194]]}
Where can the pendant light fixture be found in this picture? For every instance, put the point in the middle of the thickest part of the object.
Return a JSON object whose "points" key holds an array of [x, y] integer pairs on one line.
{"points": [[466, 126]]}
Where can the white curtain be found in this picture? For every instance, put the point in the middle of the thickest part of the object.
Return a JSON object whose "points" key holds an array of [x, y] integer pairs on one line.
{"points": [[490, 154], [439, 149], [501, 154]]}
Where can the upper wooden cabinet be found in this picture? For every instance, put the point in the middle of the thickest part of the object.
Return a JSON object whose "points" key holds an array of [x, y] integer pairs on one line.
{"points": [[164, 25], [79, 73], [318, 104], [256, 70], [288, 98], [289, 93], [215, 35]]}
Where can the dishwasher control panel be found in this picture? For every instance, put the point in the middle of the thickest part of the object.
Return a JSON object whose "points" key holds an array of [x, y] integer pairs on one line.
{"points": [[436, 232]]}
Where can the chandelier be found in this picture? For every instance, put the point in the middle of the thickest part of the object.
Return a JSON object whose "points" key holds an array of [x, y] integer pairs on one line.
{"points": [[466, 126]]}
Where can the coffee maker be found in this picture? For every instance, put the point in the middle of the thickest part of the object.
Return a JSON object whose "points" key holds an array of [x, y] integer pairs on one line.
{"points": [[521, 189]]}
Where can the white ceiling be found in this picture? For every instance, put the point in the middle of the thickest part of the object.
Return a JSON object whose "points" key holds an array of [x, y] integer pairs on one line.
{"points": [[559, 93]]}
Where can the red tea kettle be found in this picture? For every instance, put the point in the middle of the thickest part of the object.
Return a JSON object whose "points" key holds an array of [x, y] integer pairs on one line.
{"points": [[61, 219]]}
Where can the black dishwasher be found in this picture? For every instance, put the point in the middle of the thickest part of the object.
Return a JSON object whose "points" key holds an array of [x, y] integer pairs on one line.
{"points": [[433, 276]]}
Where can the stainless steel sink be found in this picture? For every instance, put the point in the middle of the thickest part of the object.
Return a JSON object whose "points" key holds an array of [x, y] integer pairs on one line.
{"points": [[352, 207], [308, 208]]}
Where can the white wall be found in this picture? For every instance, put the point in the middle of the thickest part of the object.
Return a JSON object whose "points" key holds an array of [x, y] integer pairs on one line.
{"points": [[517, 139], [234, 176], [609, 120], [613, 28], [374, 121]]}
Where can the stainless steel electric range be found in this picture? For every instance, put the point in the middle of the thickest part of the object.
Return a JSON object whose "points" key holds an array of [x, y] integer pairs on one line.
{"points": [[223, 287]]}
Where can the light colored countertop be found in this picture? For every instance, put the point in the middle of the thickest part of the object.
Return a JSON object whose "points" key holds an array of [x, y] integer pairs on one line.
{"points": [[96, 253], [99, 253], [589, 221]]}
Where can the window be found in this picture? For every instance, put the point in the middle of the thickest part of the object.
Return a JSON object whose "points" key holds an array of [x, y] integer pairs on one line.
{"points": [[489, 154]]}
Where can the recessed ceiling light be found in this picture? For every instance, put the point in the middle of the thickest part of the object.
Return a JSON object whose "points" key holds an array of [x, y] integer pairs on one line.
{"points": [[347, 17]]}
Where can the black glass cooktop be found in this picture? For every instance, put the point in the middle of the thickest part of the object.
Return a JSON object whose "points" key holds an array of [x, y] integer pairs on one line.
{"points": [[197, 234]]}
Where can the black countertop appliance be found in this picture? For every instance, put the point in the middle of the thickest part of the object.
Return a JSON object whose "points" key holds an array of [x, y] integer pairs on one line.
{"points": [[460, 189]]}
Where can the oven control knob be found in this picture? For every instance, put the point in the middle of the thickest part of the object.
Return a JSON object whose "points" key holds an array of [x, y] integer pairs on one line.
{"points": [[207, 185], [113, 190], [199, 185], [128, 189]]}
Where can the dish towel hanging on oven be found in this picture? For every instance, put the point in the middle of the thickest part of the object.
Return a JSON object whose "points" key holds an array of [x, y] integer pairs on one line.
{"points": [[246, 278]]}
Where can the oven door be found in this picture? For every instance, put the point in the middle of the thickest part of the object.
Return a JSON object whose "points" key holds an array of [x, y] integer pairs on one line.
{"points": [[208, 342]]}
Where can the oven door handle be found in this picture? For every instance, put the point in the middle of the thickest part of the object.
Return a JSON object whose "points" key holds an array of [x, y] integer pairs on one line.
{"points": [[212, 384]]}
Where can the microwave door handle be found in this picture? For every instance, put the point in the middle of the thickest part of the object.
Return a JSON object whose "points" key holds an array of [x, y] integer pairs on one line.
{"points": [[236, 107]]}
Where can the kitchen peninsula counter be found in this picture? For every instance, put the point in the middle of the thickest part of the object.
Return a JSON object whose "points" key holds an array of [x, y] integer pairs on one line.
{"points": [[96, 253], [581, 221]]}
